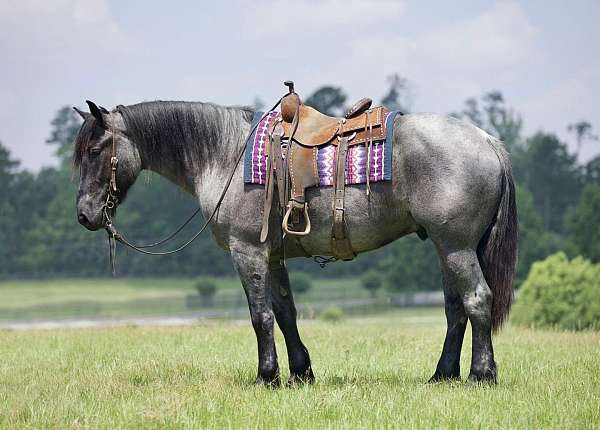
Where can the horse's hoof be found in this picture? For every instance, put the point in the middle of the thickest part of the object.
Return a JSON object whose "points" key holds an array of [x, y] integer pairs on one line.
{"points": [[487, 377], [274, 382], [307, 377], [440, 377]]}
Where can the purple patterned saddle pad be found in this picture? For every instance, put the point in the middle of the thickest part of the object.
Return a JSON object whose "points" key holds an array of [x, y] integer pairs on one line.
{"points": [[356, 163]]}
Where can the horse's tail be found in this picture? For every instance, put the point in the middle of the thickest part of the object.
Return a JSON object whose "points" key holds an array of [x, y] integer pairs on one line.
{"points": [[497, 250]]}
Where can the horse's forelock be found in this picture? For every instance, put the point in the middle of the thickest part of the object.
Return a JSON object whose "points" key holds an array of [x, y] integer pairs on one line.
{"points": [[83, 139]]}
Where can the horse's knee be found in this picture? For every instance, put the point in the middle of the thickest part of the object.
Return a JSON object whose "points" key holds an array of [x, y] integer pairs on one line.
{"points": [[263, 321]]}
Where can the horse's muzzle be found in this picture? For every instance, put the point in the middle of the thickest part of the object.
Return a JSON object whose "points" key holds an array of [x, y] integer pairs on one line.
{"points": [[92, 223]]}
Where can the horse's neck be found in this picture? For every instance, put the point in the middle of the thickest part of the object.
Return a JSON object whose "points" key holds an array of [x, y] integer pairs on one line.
{"points": [[171, 172], [196, 175]]}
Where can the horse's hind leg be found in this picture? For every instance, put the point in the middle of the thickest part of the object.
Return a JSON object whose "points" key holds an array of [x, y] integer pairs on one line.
{"points": [[465, 279], [285, 314], [253, 267], [448, 366]]}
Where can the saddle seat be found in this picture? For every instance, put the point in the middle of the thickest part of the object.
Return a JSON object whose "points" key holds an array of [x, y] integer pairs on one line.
{"points": [[316, 129]]}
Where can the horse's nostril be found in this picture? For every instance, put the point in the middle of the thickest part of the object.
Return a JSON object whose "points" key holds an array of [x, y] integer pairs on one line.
{"points": [[82, 219]]}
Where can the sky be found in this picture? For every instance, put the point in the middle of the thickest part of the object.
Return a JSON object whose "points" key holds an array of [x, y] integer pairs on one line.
{"points": [[542, 55]]}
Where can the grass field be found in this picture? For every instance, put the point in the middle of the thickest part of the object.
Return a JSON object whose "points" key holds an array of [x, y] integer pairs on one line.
{"points": [[371, 373], [64, 298]]}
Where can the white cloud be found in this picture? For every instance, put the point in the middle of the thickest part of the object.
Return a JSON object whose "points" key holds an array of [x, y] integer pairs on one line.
{"points": [[358, 44], [49, 44], [59, 27], [284, 19], [499, 37], [64, 51], [491, 42], [567, 102]]}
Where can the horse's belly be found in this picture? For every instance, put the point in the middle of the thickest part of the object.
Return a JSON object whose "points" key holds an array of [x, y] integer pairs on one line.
{"points": [[371, 222]]}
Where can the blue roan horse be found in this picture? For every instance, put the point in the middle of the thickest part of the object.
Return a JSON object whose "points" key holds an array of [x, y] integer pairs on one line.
{"points": [[450, 181]]}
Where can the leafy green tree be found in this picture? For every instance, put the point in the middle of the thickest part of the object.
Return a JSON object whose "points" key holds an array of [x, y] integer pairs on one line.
{"points": [[592, 170], [8, 168], [553, 177], [371, 281], [328, 99], [411, 265], [301, 283], [535, 243], [491, 114], [65, 126], [18, 206], [8, 174], [395, 98], [58, 244], [583, 132], [560, 293], [206, 287], [472, 112], [333, 315], [258, 104], [503, 122], [583, 222]]}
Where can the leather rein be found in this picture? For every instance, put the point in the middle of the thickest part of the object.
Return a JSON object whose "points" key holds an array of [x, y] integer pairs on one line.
{"points": [[112, 202]]}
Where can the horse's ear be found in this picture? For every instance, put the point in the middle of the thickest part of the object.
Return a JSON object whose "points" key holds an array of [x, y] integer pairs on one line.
{"points": [[81, 113], [96, 113]]}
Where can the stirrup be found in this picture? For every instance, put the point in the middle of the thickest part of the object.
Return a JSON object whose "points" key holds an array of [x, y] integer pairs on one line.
{"points": [[286, 217]]}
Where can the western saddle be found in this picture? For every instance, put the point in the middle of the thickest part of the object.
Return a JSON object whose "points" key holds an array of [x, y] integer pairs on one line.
{"points": [[291, 151]]}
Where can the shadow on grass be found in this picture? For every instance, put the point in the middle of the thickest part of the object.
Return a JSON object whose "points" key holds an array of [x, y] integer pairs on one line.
{"points": [[364, 379], [244, 378]]}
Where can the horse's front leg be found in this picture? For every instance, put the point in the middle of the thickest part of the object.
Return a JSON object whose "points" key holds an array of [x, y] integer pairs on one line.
{"points": [[285, 313], [251, 262]]}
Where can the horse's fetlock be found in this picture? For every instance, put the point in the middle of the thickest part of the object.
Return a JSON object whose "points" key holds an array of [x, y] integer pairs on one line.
{"points": [[268, 371]]}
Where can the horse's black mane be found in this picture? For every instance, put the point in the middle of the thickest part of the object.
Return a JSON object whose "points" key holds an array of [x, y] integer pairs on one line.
{"points": [[171, 131]]}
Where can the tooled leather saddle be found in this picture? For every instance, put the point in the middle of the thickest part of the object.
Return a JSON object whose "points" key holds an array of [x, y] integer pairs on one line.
{"points": [[291, 148]]}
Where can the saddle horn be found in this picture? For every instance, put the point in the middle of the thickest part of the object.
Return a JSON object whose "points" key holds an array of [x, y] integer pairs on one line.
{"points": [[290, 103]]}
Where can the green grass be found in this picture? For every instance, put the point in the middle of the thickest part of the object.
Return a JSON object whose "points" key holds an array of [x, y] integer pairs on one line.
{"points": [[371, 373], [17, 294]]}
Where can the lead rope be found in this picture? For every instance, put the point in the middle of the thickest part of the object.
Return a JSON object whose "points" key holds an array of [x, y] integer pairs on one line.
{"points": [[115, 236], [112, 254]]}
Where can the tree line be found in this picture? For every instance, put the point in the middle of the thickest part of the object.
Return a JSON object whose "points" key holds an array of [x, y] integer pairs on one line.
{"points": [[558, 200]]}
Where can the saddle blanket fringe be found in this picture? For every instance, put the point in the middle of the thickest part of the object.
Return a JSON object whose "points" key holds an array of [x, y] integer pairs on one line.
{"points": [[356, 163]]}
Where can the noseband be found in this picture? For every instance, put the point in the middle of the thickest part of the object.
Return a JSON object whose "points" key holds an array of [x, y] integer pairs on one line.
{"points": [[112, 201]]}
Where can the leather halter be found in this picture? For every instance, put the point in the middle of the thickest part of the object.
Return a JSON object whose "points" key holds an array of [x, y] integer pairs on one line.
{"points": [[111, 199]]}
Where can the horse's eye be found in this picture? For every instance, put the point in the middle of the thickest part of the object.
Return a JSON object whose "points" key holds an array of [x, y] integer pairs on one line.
{"points": [[95, 151]]}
